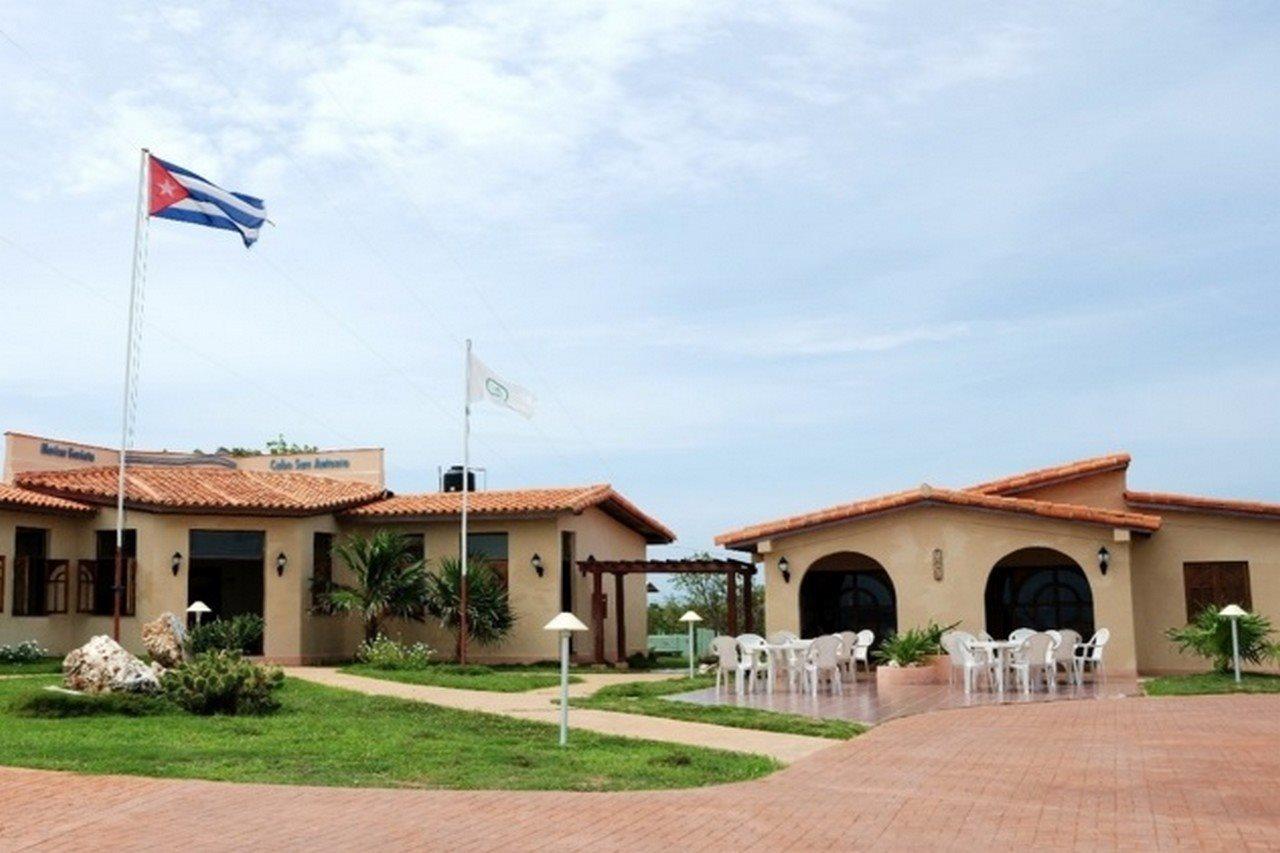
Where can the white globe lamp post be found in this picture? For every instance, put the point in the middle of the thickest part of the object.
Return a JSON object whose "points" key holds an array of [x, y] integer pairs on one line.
{"points": [[566, 623], [1234, 612], [692, 619]]}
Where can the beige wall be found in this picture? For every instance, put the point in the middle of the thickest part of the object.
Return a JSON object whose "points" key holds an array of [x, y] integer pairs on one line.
{"points": [[972, 542], [1159, 591], [534, 600], [1101, 490], [285, 599]]}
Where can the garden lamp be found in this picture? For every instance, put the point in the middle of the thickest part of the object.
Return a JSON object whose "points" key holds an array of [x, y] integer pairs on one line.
{"points": [[692, 619], [1234, 612], [566, 623], [199, 608]]}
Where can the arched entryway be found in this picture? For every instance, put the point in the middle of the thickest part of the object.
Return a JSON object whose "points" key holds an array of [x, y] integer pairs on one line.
{"points": [[847, 591], [1038, 588]]}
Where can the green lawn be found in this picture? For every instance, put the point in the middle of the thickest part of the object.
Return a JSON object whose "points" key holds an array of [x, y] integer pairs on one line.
{"points": [[648, 697], [497, 679], [327, 736], [1202, 683], [38, 667]]}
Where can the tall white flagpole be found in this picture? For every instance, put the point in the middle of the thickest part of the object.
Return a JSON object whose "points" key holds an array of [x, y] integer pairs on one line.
{"points": [[126, 405], [466, 487]]}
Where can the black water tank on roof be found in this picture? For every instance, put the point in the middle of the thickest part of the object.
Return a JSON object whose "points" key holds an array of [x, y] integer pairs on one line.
{"points": [[453, 479]]}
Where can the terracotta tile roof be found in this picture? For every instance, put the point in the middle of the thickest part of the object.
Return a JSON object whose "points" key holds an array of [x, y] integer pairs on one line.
{"points": [[163, 488], [13, 497], [948, 497], [518, 502], [1193, 503], [1055, 474]]}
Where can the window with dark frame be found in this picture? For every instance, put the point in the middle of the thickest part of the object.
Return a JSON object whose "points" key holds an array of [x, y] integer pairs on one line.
{"points": [[321, 568], [415, 545], [1216, 584], [102, 599], [493, 548], [30, 571]]}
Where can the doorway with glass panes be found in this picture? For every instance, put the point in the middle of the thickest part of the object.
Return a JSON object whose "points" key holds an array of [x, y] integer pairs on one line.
{"points": [[227, 572]]}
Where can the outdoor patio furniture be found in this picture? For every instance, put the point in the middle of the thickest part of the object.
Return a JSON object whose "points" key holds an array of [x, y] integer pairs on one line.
{"points": [[973, 662], [984, 636], [1089, 656], [1064, 654], [1020, 634], [725, 650], [822, 662], [996, 654], [788, 656], [848, 642], [756, 661], [862, 651], [781, 638], [1033, 659]]}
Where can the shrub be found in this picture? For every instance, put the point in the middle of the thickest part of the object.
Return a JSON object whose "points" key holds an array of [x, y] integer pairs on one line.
{"points": [[385, 653], [1209, 636], [934, 632], [489, 616], [240, 633], [907, 648], [222, 682], [52, 704], [28, 651]]}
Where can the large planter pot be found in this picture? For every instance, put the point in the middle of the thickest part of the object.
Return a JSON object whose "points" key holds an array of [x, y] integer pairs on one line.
{"points": [[941, 665], [901, 676]]}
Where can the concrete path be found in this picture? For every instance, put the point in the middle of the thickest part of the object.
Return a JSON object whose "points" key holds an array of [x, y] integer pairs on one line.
{"points": [[537, 705], [1185, 772]]}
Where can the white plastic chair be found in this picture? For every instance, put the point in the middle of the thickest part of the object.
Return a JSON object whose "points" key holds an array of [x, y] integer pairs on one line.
{"points": [[984, 636], [725, 650], [972, 662], [823, 661], [1034, 659], [754, 653], [862, 651], [781, 638], [1064, 653], [1017, 635], [848, 642], [1089, 655]]}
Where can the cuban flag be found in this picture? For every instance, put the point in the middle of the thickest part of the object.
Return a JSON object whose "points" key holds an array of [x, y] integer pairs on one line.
{"points": [[176, 193]]}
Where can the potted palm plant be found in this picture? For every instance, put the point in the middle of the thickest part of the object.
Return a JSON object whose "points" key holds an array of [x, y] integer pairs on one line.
{"points": [[912, 657]]}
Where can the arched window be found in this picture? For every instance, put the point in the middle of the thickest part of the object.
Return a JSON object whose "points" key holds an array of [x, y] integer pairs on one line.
{"points": [[1038, 588], [847, 592]]}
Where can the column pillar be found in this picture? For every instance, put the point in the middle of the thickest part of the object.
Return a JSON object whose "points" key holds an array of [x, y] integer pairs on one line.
{"points": [[731, 602], [621, 610]]}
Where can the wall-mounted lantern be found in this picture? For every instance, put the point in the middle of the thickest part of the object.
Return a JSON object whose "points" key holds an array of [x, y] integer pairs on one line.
{"points": [[937, 564], [176, 563], [281, 562], [785, 567], [536, 562], [1104, 559]]}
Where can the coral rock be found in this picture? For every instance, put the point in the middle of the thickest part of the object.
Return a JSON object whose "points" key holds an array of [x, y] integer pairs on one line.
{"points": [[163, 639], [103, 666]]}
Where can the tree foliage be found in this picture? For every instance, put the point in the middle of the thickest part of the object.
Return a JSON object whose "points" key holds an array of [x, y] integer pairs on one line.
{"points": [[489, 616], [389, 582], [1209, 636]]}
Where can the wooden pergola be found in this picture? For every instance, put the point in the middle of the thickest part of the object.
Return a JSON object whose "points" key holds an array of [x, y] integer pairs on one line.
{"points": [[731, 569]]}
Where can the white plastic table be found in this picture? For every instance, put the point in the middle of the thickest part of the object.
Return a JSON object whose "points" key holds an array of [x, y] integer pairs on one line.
{"points": [[777, 654]]}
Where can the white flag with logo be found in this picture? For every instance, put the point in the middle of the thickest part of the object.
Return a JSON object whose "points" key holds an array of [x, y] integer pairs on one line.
{"points": [[487, 385]]}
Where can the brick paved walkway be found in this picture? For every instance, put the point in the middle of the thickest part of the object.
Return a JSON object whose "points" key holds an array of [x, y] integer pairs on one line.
{"points": [[1169, 772], [537, 705]]}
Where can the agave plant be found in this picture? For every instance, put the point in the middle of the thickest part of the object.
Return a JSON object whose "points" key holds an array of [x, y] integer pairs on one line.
{"points": [[489, 616], [390, 583], [906, 648]]}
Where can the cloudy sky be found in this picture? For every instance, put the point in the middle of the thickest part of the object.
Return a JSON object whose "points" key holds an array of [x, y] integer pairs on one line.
{"points": [[753, 258]]}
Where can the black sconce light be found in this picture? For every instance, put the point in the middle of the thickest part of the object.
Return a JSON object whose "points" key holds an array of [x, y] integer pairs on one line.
{"points": [[176, 563], [536, 562], [1104, 559], [281, 562], [785, 568]]}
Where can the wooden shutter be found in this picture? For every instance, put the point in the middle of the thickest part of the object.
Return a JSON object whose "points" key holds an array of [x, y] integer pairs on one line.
{"points": [[129, 605], [55, 588], [86, 584], [1217, 584], [2, 584]]}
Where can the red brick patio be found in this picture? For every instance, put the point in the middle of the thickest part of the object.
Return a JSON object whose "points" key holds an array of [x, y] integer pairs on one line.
{"points": [[1169, 772]]}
